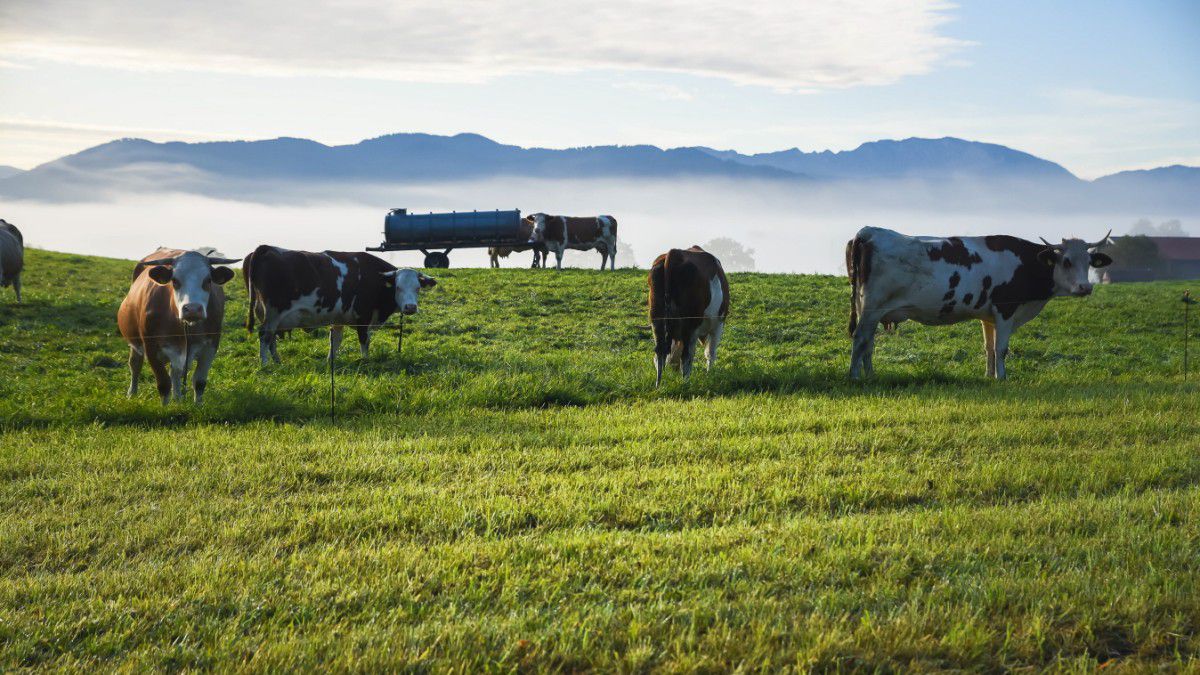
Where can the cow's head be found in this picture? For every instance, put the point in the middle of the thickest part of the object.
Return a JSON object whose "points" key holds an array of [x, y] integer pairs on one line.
{"points": [[191, 277], [537, 222], [1071, 261], [407, 283]]}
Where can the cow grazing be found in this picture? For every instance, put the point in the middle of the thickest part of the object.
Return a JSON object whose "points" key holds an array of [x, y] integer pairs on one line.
{"points": [[689, 300], [172, 317], [300, 289], [1002, 281], [12, 257], [559, 233]]}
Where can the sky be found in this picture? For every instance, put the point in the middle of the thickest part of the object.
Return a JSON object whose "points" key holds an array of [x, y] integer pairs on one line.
{"points": [[1096, 86]]}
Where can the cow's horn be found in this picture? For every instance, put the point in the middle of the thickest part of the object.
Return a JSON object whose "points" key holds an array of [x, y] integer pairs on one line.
{"points": [[1102, 241], [223, 261], [1053, 246]]}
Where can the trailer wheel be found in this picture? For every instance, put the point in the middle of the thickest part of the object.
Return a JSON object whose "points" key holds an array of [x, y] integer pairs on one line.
{"points": [[437, 260]]}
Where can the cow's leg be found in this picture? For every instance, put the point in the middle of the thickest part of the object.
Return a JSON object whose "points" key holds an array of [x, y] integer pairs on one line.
{"points": [[612, 257], [275, 347], [364, 341], [989, 346], [558, 254], [864, 345], [688, 354], [204, 360], [711, 344], [179, 361], [136, 359], [1003, 331], [335, 341], [662, 347], [17, 287], [603, 257], [162, 379]]}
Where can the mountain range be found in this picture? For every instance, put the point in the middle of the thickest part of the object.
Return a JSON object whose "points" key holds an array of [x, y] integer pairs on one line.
{"points": [[243, 168]]}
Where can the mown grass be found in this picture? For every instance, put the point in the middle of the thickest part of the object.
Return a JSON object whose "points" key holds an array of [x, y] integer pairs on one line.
{"points": [[510, 493]]}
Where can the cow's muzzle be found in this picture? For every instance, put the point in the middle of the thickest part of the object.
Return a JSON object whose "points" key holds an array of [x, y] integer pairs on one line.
{"points": [[409, 309], [192, 313], [1083, 290]]}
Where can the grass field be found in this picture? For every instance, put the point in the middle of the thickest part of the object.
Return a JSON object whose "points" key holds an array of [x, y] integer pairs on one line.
{"points": [[511, 493]]}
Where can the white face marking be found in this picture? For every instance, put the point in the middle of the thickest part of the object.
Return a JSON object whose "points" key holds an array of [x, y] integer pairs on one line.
{"points": [[539, 228], [408, 284], [191, 282], [1071, 270]]}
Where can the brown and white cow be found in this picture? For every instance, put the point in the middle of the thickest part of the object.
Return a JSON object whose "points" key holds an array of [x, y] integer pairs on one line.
{"points": [[559, 233], [172, 317], [1001, 281], [689, 300], [12, 257], [302, 289], [495, 253]]}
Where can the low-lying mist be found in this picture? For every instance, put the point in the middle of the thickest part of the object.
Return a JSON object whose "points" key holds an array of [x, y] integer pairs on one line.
{"points": [[792, 227]]}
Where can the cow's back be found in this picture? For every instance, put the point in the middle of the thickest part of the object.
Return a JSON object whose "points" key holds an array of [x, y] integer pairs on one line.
{"points": [[682, 287], [12, 252]]}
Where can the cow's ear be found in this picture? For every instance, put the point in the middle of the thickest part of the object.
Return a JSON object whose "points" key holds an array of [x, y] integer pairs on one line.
{"points": [[222, 275], [1048, 257], [1100, 260], [161, 274], [426, 281], [389, 278]]}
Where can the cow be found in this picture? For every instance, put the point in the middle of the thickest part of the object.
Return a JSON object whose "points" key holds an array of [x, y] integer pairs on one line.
{"points": [[1001, 281], [172, 316], [495, 253], [12, 257], [689, 300], [559, 233], [301, 289]]}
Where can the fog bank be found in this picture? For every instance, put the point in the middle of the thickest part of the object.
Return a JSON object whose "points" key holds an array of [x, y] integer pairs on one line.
{"points": [[792, 229]]}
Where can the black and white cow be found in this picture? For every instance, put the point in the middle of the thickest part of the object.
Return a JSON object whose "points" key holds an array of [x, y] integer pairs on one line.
{"points": [[1000, 280], [300, 289], [12, 256]]}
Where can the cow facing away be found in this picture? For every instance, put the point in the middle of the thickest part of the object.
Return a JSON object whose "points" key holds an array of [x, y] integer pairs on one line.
{"points": [[172, 317], [559, 233], [1001, 281], [689, 300], [12, 257], [300, 289]]}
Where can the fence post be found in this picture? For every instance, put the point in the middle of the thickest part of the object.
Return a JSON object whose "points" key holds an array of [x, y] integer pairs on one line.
{"points": [[400, 333], [1187, 305], [332, 393]]}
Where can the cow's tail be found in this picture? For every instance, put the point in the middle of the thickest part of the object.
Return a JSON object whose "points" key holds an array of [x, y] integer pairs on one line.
{"points": [[247, 267], [855, 250]]}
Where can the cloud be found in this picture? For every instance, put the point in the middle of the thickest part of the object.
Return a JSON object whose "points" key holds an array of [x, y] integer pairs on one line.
{"points": [[781, 44], [663, 92]]}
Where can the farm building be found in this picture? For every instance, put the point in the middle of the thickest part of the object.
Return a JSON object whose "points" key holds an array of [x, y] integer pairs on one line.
{"points": [[1171, 258]]}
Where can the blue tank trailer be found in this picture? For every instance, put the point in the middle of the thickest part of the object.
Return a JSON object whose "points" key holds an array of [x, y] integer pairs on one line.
{"points": [[404, 231]]}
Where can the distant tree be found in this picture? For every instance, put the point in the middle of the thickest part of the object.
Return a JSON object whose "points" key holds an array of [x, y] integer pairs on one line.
{"points": [[733, 255], [1170, 228], [585, 259], [1134, 252]]}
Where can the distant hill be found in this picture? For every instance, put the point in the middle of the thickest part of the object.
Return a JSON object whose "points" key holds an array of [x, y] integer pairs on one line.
{"points": [[911, 157], [6, 171], [138, 163], [951, 168]]}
